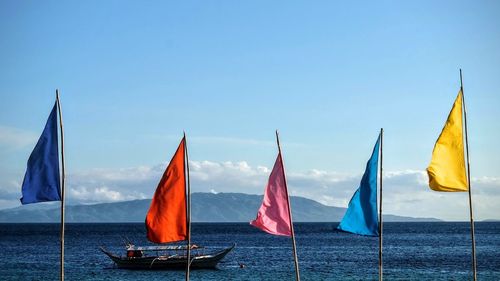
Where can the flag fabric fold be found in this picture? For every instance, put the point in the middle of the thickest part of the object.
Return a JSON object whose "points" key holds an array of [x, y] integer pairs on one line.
{"points": [[447, 168], [273, 216], [361, 216], [42, 180], [166, 219]]}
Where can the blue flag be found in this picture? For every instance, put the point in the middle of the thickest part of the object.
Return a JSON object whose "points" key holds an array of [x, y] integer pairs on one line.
{"points": [[41, 181], [361, 216]]}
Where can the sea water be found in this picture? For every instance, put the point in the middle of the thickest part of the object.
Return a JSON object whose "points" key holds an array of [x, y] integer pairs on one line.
{"points": [[412, 251]]}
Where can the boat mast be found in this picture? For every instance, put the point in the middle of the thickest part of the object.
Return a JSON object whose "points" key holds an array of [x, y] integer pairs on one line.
{"points": [[297, 274], [474, 263], [380, 221], [63, 180], [188, 217]]}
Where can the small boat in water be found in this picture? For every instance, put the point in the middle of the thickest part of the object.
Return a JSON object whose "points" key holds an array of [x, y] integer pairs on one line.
{"points": [[169, 221], [167, 257]]}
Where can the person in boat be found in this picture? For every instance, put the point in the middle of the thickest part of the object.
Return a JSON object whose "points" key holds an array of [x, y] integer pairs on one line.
{"points": [[134, 253]]}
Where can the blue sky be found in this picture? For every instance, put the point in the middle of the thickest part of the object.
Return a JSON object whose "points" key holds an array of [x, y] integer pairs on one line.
{"points": [[327, 74]]}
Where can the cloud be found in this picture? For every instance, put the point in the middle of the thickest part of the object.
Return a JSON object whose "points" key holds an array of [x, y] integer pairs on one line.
{"points": [[16, 138], [10, 190], [112, 185], [227, 176], [405, 192], [7, 204], [84, 194]]}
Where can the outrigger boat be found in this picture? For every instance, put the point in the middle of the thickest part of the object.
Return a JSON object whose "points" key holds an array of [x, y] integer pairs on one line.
{"points": [[169, 221], [167, 257]]}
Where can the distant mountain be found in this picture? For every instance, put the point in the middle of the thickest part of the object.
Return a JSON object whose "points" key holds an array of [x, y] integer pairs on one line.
{"points": [[205, 207]]}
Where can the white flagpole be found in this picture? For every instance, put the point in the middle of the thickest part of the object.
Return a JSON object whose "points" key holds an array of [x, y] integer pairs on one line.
{"points": [[63, 181], [474, 262], [297, 274]]}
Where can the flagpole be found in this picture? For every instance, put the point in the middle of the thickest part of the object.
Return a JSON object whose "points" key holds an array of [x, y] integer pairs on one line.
{"points": [[188, 211], [63, 180], [474, 263], [297, 274], [380, 225]]}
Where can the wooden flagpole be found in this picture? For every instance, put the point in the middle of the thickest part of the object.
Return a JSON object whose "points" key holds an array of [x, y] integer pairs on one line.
{"points": [[297, 274], [63, 181], [380, 224], [188, 211], [474, 263]]}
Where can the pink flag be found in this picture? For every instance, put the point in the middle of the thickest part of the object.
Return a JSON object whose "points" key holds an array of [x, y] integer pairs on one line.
{"points": [[273, 216]]}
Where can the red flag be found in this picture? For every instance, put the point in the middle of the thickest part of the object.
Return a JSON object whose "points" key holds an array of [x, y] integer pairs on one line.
{"points": [[273, 216], [166, 218]]}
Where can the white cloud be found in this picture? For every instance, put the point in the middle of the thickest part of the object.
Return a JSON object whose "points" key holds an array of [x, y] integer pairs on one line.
{"points": [[227, 176], [101, 194], [111, 185], [405, 192], [7, 204], [10, 191], [16, 138]]}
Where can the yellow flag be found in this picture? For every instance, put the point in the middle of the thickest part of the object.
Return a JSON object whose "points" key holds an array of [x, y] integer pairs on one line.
{"points": [[447, 168]]}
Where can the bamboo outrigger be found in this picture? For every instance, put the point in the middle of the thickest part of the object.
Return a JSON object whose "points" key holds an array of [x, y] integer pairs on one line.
{"points": [[167, 257]]}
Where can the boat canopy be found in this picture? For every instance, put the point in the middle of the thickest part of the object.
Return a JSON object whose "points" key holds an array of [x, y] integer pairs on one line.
{"points": [[160, 248]]}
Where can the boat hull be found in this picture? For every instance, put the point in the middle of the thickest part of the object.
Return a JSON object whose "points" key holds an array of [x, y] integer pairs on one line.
{"points": [[171, 262]]}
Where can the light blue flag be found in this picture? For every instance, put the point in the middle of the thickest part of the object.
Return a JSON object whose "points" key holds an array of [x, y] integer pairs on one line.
{"points": [[361, 216], [41, 182]]}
